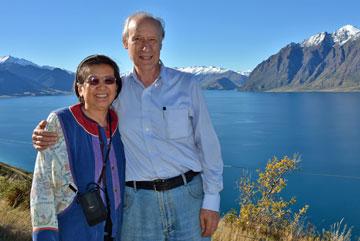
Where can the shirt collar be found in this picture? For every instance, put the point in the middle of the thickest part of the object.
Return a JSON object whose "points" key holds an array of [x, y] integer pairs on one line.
{"points": [[159, 80], [88, 124]]}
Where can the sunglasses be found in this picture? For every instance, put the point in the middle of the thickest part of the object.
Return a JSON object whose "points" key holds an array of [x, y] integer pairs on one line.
{"points": [[94, 80]]}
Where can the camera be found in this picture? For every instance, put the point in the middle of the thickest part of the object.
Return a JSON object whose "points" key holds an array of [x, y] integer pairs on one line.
{"points": [[92, 204]]}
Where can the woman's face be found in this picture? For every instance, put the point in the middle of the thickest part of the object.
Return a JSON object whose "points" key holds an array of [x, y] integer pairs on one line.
{"points": [[99, 87]]}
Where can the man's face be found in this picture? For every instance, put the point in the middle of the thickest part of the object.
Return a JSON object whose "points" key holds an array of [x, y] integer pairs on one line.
{"points": [[144, 43]]}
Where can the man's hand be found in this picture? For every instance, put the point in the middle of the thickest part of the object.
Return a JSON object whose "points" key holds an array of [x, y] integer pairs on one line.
{"points": [[42, 139], [208, 221]]}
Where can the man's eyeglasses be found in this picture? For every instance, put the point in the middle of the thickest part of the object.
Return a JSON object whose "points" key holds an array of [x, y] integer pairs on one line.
{"points": [[94, 80]]}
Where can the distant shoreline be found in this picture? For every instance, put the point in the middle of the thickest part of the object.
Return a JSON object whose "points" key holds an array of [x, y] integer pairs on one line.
{"points": [[35, 95], [280, 90], [340, 91]]}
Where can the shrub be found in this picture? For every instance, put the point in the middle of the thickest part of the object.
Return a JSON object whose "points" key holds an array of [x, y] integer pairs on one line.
{"points": [[265, 215], [263, 212]]}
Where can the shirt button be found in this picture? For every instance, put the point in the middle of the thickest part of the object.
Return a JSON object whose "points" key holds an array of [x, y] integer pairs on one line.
{"points": [[115, 190], [147, 129], [156, 84]]}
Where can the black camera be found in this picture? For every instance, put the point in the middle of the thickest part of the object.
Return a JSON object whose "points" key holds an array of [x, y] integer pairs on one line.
{"points": [[92, 204]]}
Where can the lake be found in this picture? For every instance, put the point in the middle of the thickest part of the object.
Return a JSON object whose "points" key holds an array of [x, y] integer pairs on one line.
{"points": [[324, 128]]}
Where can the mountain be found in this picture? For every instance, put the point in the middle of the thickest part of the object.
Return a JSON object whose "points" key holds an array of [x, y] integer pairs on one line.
{"points": [[10, 59], [20, 77], [323, 62], [214, 78]]}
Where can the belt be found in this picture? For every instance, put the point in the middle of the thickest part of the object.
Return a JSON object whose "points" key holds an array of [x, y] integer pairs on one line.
{"points": [[163, 184]]}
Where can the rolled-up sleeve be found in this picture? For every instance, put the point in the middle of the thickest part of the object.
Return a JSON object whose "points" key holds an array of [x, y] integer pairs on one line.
{"points": [[209, 148]]}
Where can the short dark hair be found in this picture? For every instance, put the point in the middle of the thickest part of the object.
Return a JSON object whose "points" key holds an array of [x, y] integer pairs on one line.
{"points": [[95, 59]]}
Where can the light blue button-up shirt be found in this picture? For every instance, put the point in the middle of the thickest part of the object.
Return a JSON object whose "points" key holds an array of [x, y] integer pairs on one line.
{"points": [[166, 130]]}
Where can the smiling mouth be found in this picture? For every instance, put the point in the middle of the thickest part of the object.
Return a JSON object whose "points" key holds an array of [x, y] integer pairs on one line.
{"points": [[146, 57], [101, 95]]}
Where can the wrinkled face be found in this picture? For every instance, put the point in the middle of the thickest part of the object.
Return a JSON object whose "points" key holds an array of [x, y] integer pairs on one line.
{"points": [[98, 96], [144, 43]]}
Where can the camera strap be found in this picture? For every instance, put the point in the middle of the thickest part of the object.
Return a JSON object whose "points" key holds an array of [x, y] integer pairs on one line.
{"points": [[103, 142], [102, 145]]}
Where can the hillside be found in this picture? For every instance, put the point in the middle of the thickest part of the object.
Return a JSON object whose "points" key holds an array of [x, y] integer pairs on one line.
{"points": [[20, 77], [278, 223], [324, 62], [14, 173], [15, 224]]}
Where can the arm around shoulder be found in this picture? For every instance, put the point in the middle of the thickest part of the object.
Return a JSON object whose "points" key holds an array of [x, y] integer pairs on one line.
{"points": [[42, 138]]}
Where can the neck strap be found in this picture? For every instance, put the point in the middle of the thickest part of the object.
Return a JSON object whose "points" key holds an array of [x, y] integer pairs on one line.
{"points": [[105, 159]]}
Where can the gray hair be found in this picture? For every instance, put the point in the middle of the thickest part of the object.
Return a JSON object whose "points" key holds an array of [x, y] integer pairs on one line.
{"points": [[158, 20]]}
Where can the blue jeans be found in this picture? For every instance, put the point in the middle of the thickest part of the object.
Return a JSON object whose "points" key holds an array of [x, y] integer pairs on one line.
{"points": [[171, 215]]}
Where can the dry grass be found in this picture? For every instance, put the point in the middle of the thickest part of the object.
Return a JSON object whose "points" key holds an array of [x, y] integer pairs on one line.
{"points": [[232, 232], [15, 192], [228, 232], [15, 224], [15, 221]]}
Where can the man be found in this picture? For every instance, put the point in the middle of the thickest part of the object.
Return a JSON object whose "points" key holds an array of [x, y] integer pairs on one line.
{"points": [[168, 139]]}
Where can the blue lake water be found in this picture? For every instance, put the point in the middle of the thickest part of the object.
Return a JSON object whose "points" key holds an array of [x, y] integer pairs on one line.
{"points": [[324, 128]]}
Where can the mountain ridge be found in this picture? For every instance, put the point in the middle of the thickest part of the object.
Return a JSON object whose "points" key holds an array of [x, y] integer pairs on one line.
{"points": [[323, 62], [20, 77], [216, 78]]}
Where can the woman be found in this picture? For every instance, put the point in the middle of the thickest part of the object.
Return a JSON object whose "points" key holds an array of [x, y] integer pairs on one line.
{"points": [[82, 172]]}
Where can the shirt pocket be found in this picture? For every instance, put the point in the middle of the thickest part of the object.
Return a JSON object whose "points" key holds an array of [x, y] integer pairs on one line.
{"points": [[178, 123]]}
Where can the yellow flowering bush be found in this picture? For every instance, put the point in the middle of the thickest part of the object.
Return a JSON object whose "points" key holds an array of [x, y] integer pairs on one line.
{"points": [[262, 211]]}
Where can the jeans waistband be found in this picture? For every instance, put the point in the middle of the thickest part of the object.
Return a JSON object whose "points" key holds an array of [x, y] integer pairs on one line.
{"points": [[163, 184]]}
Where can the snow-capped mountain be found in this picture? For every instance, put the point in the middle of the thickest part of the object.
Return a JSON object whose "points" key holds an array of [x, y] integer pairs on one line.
{"points": [[314, 40], [10, 59], [211, 77], [341, 36], [20, 77], [24, 62], [246, 73], [345, 34], [203, 70], [325, 61]]}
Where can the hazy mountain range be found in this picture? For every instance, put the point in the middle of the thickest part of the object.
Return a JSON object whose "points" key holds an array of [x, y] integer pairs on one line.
{"points": [[323, 62], [214, 78], [19, 77]]}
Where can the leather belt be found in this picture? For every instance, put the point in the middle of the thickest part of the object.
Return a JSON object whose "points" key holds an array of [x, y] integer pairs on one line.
{"points": [[163, 184]]}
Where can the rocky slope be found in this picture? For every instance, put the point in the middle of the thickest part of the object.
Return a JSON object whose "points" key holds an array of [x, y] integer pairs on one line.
{"points": [[324, 62]]}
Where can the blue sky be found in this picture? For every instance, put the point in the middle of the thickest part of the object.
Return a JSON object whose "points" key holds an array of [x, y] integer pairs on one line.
{"points": [[231, 34]]}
